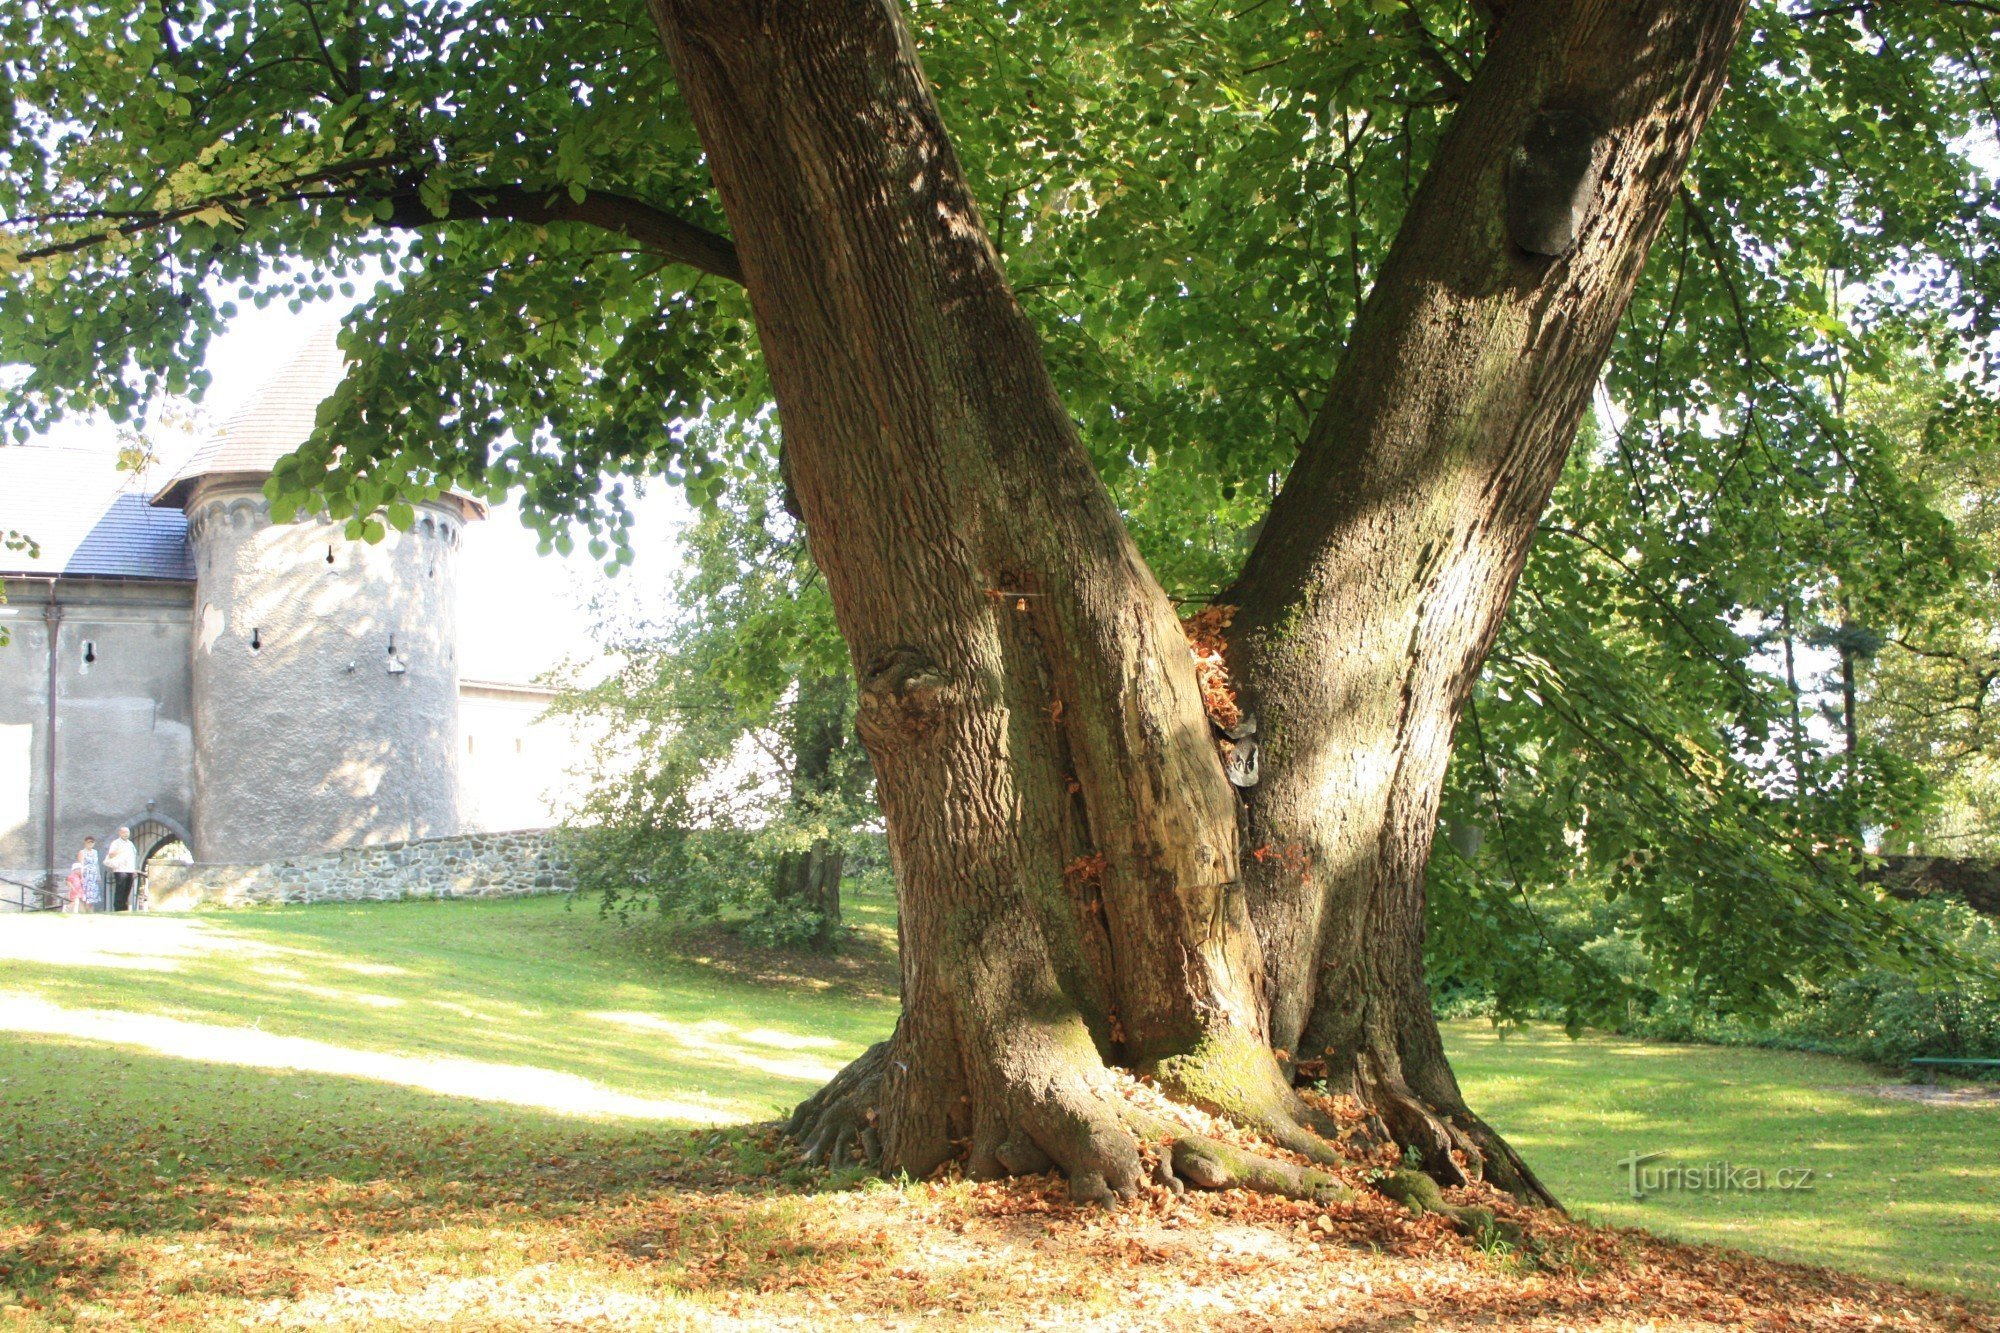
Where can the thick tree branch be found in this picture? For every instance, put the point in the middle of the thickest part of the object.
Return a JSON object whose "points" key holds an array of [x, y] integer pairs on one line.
{"points": [[1382, 570], [653, 229]]}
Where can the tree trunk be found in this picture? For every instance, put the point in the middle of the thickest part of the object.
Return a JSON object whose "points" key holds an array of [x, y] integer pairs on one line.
{"points": [[1063, 837], [818, 733], [1065, 842], [811, 880], [1381, 576]]}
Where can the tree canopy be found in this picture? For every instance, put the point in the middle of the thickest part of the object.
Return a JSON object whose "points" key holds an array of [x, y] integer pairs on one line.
{"points": [[1190, 204]]}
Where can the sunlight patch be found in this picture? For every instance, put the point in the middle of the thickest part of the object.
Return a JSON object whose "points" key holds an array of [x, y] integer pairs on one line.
{"points": [[530, 1297], [336, 994], [513, 1085], [462, 1011], [788, 1041], [724, 1041], [374, 969], [139, 943]]}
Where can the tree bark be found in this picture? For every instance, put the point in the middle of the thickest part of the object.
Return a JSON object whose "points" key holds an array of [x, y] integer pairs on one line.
{"points": [[1063, 837], [1065, 841], [1387, 561]]}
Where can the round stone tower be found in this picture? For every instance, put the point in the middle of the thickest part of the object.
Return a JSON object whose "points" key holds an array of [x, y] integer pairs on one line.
{"points": [[325, 675]]}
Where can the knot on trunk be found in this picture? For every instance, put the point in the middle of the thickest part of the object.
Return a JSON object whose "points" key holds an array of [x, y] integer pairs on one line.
{"points": [[902, 698], [1552, 179]]}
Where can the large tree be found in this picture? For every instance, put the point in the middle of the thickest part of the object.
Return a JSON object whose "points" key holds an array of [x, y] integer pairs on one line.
{"points": [[1107, 858]]}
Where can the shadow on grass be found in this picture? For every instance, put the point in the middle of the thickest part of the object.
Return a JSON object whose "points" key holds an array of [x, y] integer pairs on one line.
{"points": [[531, 984], [151, 1086], [1899, 1189], [195, 1193], [863, 968], [109, 1143]]}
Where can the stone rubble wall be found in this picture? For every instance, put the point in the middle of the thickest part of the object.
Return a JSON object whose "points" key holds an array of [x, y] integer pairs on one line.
{"points": [[468, 865]]}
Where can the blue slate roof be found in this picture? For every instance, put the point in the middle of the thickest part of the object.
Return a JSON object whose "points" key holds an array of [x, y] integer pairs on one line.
{"points": [[89, 517]]}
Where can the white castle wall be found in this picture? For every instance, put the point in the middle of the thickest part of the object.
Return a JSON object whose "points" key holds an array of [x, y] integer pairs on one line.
{"points": [[124, 744], [305, 739]]}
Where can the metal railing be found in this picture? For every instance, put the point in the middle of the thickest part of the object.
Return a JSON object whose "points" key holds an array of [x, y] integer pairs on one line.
{"points": [[19, 895]]}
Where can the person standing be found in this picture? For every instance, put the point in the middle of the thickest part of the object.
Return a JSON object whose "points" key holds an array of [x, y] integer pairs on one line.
{"points": [[93, 876], [73, 887], [121, 859]]}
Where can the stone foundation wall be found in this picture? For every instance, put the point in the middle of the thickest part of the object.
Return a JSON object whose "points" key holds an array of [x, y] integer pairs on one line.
{"points": [[469, 865]]}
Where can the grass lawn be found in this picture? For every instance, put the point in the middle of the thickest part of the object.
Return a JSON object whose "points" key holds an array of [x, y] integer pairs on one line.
{"points": [[1900, 1189], [531, 1001], [516, 1113]]}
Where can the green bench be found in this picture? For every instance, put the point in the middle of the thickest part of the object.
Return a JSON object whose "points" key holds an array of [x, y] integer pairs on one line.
{"points": [[1925, 1064]]}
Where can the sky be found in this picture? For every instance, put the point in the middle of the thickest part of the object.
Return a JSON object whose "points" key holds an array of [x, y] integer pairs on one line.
{"points": [[520, 613]]}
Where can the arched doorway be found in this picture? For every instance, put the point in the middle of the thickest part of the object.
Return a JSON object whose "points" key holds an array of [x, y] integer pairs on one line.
{"points": [[156, 839], [155, 834]]}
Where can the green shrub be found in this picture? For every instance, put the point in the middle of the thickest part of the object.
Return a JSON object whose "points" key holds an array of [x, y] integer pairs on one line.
{"points": [[713, 874], [1878, 1015]]}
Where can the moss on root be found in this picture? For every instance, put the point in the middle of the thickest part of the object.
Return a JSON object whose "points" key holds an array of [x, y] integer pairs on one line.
{"points": [[1420, 1194], [1233, 1075], [1211, 1164], [1229, 1073]]}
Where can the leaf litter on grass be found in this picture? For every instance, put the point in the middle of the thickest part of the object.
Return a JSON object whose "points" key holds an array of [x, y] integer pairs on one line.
{"points": [[723, 1230]]}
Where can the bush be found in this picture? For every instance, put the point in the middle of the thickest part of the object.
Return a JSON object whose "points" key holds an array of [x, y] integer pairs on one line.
{"points": [[1881, 1016], [711, 874]]}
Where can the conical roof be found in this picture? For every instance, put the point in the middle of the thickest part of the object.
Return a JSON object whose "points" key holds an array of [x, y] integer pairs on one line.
{"points": [[273, 422]]}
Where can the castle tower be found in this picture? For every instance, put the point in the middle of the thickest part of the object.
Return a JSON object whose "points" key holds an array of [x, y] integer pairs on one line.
{"points": [[325, 674]]}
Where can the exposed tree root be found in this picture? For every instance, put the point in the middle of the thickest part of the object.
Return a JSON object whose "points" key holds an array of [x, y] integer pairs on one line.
{"points": [[1107, 1146], [1212, 1164], [1453, 1146], [1074, 1119], [837, 1123], [1420, 1194]]}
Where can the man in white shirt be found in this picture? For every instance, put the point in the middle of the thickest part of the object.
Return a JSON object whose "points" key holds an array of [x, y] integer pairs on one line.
{"points": [[121, 862]]}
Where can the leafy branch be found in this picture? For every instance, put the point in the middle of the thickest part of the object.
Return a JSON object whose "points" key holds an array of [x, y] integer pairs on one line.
{"points": [[417, 206]]}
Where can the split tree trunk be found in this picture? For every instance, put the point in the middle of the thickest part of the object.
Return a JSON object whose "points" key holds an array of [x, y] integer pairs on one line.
{"points": [[1063, 838], [1387, 561], [1072, 888]]}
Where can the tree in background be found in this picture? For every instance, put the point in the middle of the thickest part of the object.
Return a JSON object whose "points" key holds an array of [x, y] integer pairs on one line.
{"points": [[729, 777], [1930, 699], [1292, 311]]}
